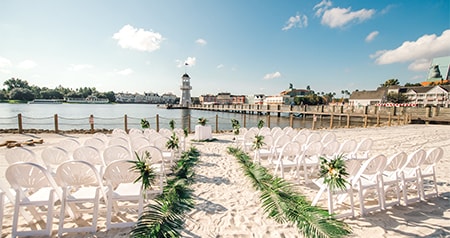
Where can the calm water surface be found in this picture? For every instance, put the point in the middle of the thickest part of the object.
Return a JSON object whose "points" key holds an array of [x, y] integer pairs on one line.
{"points": [[109, 116]]}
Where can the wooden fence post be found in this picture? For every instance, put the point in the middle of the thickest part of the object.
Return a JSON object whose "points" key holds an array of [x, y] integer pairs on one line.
{"points": [[157, 122], [348, 120], [314, 119], [125, 123], [331, 121], [268, 120], [217, 123], [189, 123], [291, 120], [55, 119], [245, 121], [91, 122], [19, 121], [365, 121]]}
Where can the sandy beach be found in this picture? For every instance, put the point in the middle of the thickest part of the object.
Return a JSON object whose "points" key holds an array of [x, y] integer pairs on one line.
{"points": [[228, 206]]}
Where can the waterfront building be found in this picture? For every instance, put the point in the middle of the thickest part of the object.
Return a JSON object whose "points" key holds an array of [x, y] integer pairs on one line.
{"points": [[429, 96], [257, 99], [238, 99], [277, 100], [208, 99], [370, 97], [169, 98], [224, 99]]}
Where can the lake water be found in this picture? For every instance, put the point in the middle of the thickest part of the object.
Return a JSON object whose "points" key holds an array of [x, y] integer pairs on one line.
{"points": [[110, 116]]}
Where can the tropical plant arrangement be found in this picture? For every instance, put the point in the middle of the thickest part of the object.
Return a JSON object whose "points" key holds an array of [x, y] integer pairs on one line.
{"points": [[260, 124], [281, 203], [146, 173], [165, 216], [258, 142], [202, 121], [144, 123], [186, 132], [173, 142], [235, 125], [172, 125], [333, 172]]}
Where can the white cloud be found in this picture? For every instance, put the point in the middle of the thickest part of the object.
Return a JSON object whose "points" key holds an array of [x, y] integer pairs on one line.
{"points": [[339, 17], [190, 61], [372, 36], [5, 63], [272, 75], [298, 20], [27, 64], [420, 65], [201, 41], [423, 49], [321, 7], [125, 72], [79, 67], [138, 39], [220, 66]]}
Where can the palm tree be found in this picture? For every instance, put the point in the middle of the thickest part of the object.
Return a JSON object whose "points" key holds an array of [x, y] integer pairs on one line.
{"points": [[390, 82]]}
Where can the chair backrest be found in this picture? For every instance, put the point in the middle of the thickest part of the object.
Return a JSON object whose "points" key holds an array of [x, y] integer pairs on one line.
{"points": [[313, 149], [69, 144], [304, 131], [363, 147], [149, 131], [287, 129], [160, 143], [52, 156], [101, 136], [268, 141], [433, 156], [165, 132], [313, 137], [89, 154], [347, 147], [330, 149], [155, 154], [118, 131], [116, 152], [300, 138], [138, 142], [20, 154], [27, 175], [396, 162], [118, 172], [290, 150], [95, 142], [250, 134], [372, 167], [134, 131], [328, 137], [116, 140], [275, 129], [77, 173], [415, 159], [281, 141], [264, 131]]}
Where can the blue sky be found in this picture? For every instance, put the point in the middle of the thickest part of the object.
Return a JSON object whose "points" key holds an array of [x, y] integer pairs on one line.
{"points": [[236, 46]]}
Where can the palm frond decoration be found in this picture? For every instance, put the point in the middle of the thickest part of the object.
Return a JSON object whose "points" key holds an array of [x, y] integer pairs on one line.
{"points": [[142, 166], [260, 124], [173, 142], [258, 142], [333, 172], [144, 123], [202, 121], [172, 124], [165, 216], [281, 203], [235, 125], [186, 132]]}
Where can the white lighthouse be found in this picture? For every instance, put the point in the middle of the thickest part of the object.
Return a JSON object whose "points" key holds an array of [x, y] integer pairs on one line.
{"points": [[185, 90]]}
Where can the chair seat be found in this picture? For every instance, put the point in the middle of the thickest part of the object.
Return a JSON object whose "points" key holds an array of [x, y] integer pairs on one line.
{"points": [[126, 191], [39, 198], [83, 194]]}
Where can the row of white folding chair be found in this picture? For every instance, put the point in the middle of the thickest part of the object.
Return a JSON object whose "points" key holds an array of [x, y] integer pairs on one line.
{"points": [[45, 191]]}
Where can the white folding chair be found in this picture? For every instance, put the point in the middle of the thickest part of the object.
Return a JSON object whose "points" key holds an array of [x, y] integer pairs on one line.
{"points": [[82, 186], [428, 170], [330, 149], [345, 210], [116, 152], [347, 148], [362, 149], [368, 181], [155, 158], [265, 151], [102, 136], [69, 144], [20, 154], [123, 194], [117, 140], [264, 131], [35, 190], [410, 176], [91, 155], [248, 139], [328, 137], [309, 160], [53, 156], [391, 178], [139, 141], [98, 143], [287, 158]]}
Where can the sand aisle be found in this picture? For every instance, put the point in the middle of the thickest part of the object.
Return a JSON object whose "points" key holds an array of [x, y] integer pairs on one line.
{"points": [[228, 206]]}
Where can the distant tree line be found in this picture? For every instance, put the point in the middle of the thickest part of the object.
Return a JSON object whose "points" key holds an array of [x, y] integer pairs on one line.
{"points": [[17, 89]]}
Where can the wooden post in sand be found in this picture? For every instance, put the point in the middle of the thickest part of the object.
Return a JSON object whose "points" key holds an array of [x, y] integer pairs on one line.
{"points": [[217, 123], [331, 121], [268, 120], [348, 120], [245, 120], [19, 121], [365, 121], [378, 119], [125, 123], [157, 122], [55, 119], [314, 122], [91, 122], [291, 120]]}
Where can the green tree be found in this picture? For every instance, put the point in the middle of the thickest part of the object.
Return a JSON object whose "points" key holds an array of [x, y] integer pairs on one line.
{"points": [[396, 98], [24, 94], [390, 82], [13, 83], [110, 96], [51, 94]]}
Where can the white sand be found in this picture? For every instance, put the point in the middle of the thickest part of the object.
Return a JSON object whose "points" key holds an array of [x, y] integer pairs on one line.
{"points": [[228, 206]]}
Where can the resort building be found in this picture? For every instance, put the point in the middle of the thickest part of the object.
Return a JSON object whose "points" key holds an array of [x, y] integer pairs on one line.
{"points": [[429, 96], [207, 99], [224, 99], [257, 99], [366, 98], [239, 99], [169, 98]]}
